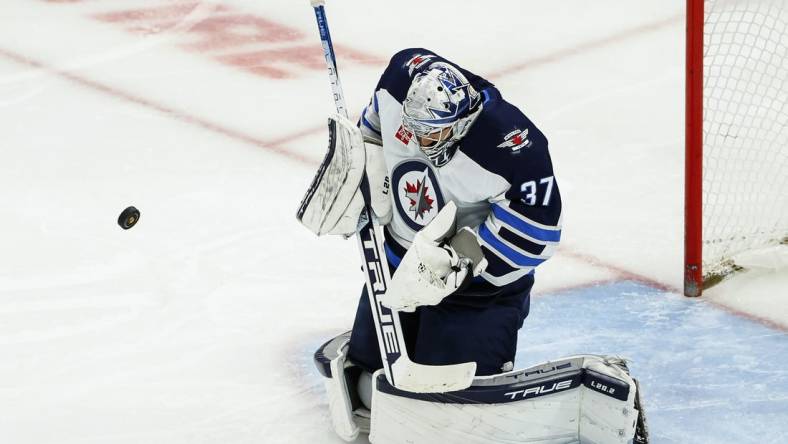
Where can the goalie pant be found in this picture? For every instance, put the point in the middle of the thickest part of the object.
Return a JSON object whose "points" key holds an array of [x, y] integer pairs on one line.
{"points": [[478, 324], [578, 399]]}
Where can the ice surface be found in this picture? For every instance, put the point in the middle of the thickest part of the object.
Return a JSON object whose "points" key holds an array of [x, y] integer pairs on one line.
{"points": [[198, 324]]}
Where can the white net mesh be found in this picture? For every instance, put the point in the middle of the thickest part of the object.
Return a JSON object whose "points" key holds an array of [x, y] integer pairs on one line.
{"points": [[745, 183]]}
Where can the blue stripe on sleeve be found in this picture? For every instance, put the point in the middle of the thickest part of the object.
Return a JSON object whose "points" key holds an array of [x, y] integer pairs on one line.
{"points": [[375, 102], [367, 123], [524, 227], [505, 250]]}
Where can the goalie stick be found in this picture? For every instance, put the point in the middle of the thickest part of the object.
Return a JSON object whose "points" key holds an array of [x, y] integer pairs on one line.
{"points": [[400, 371]]}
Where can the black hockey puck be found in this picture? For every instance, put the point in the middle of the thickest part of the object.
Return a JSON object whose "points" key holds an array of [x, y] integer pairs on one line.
{"points": [[128, 218]]}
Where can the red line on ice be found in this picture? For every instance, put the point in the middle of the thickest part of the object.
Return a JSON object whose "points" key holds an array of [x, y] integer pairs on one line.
{"points": [[587, 46], [232, 37], [622, 273], [759, 319], [274, 146], [565, 288]]}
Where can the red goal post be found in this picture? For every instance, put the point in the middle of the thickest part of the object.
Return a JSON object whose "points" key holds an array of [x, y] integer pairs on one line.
{"points": [[736, 167]]}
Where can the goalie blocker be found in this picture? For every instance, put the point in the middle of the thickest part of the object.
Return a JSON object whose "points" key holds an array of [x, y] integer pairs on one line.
{"points": [[578, 399]]}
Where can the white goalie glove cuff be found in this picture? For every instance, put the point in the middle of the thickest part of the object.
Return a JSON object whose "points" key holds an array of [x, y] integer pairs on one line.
{"points": [[434, 266], [334, 202]]}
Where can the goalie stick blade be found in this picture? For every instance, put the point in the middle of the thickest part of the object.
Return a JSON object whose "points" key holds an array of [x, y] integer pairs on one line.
{"points": [[419, 378]]}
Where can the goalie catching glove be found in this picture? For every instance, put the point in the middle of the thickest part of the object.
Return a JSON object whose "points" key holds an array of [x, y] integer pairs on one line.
{"points": [[334, 201], [437, 264]]}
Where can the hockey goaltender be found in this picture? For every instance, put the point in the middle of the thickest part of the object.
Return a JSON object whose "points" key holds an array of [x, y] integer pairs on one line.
{"points": [[451, 193]]}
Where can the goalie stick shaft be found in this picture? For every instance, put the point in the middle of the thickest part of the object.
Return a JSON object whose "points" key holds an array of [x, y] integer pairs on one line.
{"points": [[400, 371], [376, 272], [331, 60]]}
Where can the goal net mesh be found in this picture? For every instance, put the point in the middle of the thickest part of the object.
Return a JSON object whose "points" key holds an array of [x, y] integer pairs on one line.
{"points": [[745, 129]]}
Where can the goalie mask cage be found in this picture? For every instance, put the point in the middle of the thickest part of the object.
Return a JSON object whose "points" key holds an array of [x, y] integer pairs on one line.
{"points": [[736, 137]]}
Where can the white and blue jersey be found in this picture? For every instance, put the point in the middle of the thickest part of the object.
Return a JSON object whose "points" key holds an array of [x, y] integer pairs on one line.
{"points": [[500, 176]]}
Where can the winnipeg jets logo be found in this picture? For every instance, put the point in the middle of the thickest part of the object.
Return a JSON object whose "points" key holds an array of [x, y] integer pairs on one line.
{"points": [[420, 201], [417, 62], [516, 140], [417, 194]]}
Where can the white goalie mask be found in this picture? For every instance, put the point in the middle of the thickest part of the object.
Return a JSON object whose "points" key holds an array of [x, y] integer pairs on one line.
{"points": [[439, 109]]}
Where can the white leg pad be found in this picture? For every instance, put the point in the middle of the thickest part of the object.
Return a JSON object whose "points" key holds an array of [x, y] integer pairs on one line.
{"points": [[339, 404], [603, 420], [580, 399], [397, 420]]}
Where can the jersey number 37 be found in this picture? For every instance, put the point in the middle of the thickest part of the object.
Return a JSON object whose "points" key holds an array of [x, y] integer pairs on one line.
{"points": [[530, 189]]}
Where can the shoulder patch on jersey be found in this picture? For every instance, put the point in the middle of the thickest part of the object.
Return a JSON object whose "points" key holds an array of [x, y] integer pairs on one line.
{"points": [[516, 140], [403, 135], [417, 195]]}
